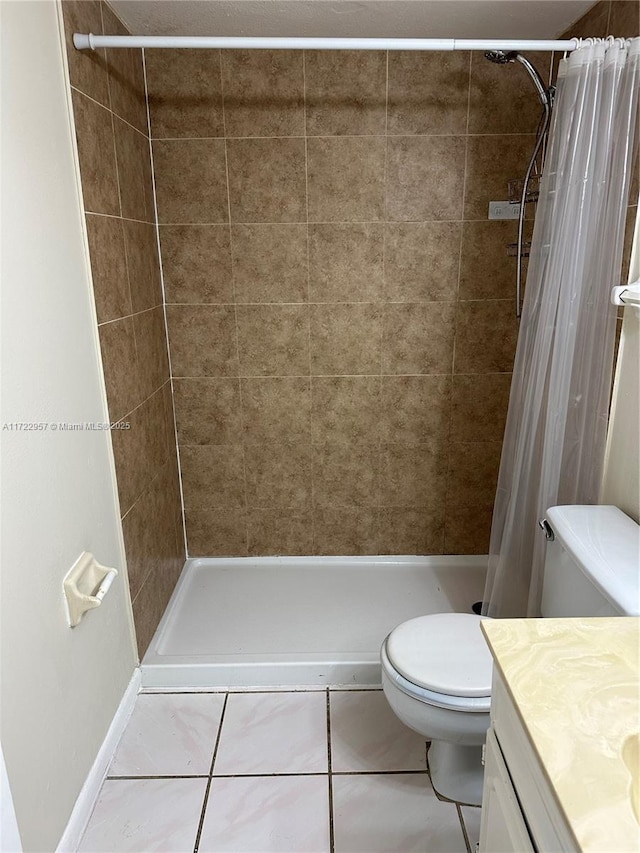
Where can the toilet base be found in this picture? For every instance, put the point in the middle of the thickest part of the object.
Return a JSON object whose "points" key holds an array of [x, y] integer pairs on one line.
{"points": [[456, 772]]}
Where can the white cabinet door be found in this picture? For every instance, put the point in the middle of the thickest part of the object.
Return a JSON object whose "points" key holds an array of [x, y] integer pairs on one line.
{"points": [[502, 828]]}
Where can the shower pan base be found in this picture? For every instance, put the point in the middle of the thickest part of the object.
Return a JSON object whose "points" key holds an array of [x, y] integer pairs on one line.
{"points": [[297, 621]]}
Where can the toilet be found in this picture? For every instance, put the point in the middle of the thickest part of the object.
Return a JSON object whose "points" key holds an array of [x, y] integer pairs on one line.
{"points": [[436, 669]]}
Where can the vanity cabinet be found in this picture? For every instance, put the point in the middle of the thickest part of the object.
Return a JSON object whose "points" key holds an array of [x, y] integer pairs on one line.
{"points": [[519, 811]]}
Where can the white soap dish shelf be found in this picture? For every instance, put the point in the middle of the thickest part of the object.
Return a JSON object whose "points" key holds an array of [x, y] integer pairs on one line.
{"points": [[85, 585]]}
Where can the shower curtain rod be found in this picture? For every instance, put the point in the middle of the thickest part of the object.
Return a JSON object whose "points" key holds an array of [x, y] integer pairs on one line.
{"points": [[89, 41]]}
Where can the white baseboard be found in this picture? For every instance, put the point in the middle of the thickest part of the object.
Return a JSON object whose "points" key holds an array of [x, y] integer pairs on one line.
{"points": [[92, 784]]}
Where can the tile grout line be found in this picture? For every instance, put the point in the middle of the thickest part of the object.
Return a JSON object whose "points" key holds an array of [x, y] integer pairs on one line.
{"points": [[306, 191], [383, 313], [457, 300], [330, 775], [329, 136], [205, 801], [109, 108], [235, 309], [164, 308]]}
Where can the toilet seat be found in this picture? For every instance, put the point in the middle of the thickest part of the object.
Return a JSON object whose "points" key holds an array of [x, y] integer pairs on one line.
{"points": [[441, 659]]}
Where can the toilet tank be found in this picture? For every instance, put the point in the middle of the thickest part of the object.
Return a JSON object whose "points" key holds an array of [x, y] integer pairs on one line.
{"points": [[592, 564]]}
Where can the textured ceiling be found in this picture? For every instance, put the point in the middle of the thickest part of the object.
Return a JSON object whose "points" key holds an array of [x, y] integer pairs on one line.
{"points": [[373, 18]]}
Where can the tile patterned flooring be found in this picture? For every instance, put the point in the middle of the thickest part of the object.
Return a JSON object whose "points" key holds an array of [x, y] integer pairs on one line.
{"points": [[318, 771]]}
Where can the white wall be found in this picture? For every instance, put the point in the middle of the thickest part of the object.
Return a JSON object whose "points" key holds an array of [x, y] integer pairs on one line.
{"points": [[621, 485], [60, 687]]}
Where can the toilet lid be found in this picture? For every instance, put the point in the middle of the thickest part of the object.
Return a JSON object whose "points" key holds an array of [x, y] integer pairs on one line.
{"points": [[445, 652]]}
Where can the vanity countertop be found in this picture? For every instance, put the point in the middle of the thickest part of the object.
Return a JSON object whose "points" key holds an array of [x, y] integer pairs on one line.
{"points": [[575, 684]]}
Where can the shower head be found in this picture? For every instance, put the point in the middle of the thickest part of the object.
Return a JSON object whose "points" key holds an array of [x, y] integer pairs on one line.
{"points": [[501, 57]]}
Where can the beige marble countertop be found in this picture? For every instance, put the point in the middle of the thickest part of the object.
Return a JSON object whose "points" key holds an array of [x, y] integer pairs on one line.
{"points": [[576, 685]]}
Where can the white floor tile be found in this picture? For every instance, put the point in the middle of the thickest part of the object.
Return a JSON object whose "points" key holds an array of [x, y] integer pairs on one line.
{"points": [[367, 736], [135, 815], [169, 735], [471, 819], [395, 813], [267, 814], [273, 733]]}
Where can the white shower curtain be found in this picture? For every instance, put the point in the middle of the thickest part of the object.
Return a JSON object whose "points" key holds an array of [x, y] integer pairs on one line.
{"points": [[556, 427]]}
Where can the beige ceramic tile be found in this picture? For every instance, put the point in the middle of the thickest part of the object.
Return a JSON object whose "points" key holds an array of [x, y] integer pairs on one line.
{"points": [[126, 76], [479, 406], [473, 473], [375, 813], [169, 734], [415, 409], [345, 409], [108, 267], [191, 181], [151, 347], [418, 338], [279, 532], [345, 92], [273, 340], [467, 529], [149, 530], [87, 68], [212, 477], [428, 93], [486, 336], [421, 261], [148, 609], [486, 269], [189, 327], [134, 172], [120, 365], [145, 814], [94, 132], [345, 531], [346, 262], [345, 339], [493, 161], [346, 475], [207, 410], [263, 92], [425, 177], [278, 475], [276, 409], [143, 265], [366, 736], [270, 263], [414, 475], [217, 532], [503, 98], [346, 179], [272, 814], [405, 530], [141, 451], [196, 263], [267, 180], [185, 93]]}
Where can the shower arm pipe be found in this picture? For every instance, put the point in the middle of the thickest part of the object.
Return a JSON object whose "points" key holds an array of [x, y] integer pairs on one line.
{"points": [[90, 41]]}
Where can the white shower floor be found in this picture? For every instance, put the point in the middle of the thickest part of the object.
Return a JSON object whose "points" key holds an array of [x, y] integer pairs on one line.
{"points": [[286, 621]]}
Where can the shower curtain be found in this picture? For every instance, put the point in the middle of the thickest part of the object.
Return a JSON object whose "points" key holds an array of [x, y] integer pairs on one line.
{"points": [[558, 410]]}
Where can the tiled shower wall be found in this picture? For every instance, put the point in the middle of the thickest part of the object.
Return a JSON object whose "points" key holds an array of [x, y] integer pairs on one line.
{"points": [[340, 311], [110, 115]]}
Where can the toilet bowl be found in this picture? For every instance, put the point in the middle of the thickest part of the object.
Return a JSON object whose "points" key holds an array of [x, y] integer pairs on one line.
{"points": [[436, 670], [436, 676]]}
